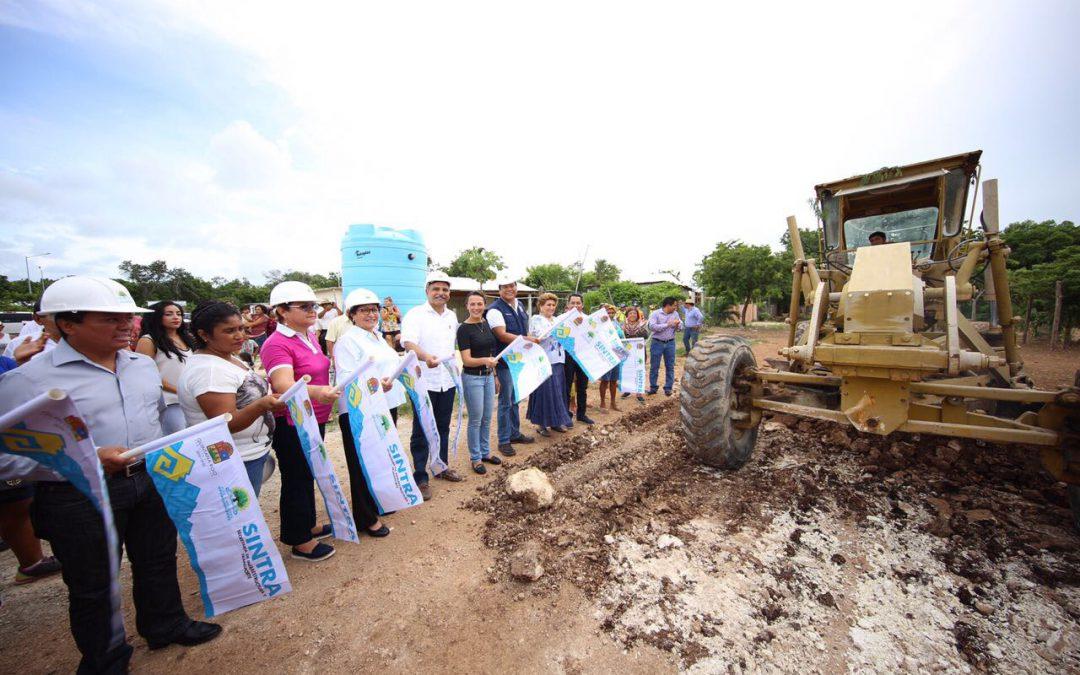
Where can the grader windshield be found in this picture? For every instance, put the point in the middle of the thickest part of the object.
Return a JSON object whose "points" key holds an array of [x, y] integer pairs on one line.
{"points": [[923, 204]]}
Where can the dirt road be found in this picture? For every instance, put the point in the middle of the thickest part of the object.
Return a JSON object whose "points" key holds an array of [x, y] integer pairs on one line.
{"points": [[828, 552]]}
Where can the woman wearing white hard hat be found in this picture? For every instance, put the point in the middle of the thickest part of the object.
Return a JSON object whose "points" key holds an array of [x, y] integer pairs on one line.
{"points": [[118, 396], [287, 355], [358, 344]]}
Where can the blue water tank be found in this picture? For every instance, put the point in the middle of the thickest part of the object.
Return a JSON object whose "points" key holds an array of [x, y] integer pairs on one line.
{"points": [[387, 261]]}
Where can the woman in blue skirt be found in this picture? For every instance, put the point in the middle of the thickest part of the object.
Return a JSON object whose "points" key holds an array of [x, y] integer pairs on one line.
{"points": [[547, 405]]}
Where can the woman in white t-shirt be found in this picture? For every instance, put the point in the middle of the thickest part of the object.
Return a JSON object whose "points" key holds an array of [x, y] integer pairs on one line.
{"points": [[216, 382]]}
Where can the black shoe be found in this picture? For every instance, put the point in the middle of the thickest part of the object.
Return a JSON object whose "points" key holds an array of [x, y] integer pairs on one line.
{"points": [[543, 432], [667, 392], [626, 394], [381, 532], [522, 438], [326, 532], [320, 552], [561, 429], [585, 420], [491, 460], [479, 467], [652, 391], [507, 450], [196, 633]]}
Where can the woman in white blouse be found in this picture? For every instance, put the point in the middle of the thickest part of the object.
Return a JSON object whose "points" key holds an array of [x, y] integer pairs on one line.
{"points": [[358, 344], [547, 405]]}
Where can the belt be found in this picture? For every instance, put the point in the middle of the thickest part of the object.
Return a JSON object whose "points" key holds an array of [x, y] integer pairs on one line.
{"points": [[132, 469], [659, 340], [469, 370]]}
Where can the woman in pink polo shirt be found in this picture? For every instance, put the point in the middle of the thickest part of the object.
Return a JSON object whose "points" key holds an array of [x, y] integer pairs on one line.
{"points": [[291, 352]]}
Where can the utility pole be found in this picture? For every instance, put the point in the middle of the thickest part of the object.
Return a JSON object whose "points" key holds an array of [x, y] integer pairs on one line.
{"points": [[29, 287]]}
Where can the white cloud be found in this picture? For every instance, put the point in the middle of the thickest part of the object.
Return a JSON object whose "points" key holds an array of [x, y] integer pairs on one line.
{"points": [[648, 131]]}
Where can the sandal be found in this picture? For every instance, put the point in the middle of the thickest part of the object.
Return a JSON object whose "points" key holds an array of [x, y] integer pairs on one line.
{"points": [[543, 432], [561, 429], [479, 467]]}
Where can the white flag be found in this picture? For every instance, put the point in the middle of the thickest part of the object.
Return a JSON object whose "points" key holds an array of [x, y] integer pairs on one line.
{"points": [[411, 375], [206, 490], [528, 364], [382, 458], [307, 427], [49, 430], [632, 369]]}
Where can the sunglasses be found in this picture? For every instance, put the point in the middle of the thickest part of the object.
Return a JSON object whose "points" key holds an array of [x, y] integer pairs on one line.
{"points": [[305, 306]]}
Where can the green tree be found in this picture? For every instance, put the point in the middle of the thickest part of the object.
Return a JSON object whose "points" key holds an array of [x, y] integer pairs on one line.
{"points": [[476, 263], [328, 280], [1033, 243], [550, 276], [605, 272], [741, 271], [810, 240]]}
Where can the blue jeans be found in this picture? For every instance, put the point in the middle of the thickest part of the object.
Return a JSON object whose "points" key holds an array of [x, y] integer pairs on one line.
{"points": [[509, 416], [660, 349], [479, 399], [690, 338], [254, 468]]}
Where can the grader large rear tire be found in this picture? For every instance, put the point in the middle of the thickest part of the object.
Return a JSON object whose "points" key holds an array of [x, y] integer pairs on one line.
{"points": [[710, 408]]}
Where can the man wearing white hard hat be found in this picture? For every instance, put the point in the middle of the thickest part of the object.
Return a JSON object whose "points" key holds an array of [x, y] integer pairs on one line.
{"points": [[430, 330], [508, 319], [118, 394]]}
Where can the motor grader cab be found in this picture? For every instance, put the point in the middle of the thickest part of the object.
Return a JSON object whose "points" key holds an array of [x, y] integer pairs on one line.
{"points": [[886, 348]]}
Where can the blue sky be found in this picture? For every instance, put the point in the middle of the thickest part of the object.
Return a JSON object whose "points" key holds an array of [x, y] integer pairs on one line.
{"points": [[234, 138]]}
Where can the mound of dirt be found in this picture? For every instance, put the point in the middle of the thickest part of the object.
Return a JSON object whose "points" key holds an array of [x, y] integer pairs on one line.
{"points": [[830, 550]]}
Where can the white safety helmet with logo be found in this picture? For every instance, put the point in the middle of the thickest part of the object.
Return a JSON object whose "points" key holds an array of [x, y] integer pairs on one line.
{"points": [[360, 296], [88, 294], [291, 291], [437, 276], [505, 279]]}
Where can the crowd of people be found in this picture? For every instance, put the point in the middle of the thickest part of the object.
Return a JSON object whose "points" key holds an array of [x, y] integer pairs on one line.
{"points": [[138, 374]]}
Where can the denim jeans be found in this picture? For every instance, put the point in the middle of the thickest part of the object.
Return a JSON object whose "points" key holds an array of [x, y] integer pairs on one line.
{"points": [[509, 416], [254, 468], [442, 406], [73, 526], [479, 399], [666, 350], [690, 338]]}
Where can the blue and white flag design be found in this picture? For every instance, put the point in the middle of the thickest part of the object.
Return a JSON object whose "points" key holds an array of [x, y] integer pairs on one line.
{"points": [[49, 430], [590, 340], [206, 490], [302, 414], [382, 458], [411, 375], [632, 369], [528, 364]]}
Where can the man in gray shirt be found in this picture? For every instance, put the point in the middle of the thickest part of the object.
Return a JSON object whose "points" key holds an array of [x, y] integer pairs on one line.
{"points": [[118, 395]]}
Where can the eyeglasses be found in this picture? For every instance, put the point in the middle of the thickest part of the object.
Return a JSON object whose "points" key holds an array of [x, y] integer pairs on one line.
{"points": [[305, 306], [367, 310]]}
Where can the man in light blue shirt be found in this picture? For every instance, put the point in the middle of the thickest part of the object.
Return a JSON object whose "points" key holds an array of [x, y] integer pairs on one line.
{"points": [[693, 320], [118, 395], [663, 323]]}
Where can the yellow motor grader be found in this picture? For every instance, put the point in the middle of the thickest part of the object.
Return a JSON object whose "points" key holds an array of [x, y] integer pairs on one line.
{"points": [[886, 347]]}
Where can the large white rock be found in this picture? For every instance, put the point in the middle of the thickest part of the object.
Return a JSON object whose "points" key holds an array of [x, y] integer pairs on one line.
{"points": [[532, 487]]}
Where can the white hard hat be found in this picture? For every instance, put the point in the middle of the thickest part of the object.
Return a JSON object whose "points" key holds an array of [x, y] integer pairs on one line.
{"points": [[360, 296], [292, 291], [432, 277], [505, 279], [88, 294]]}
